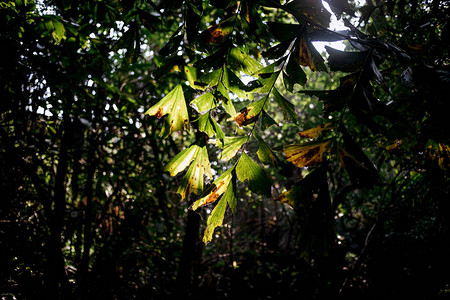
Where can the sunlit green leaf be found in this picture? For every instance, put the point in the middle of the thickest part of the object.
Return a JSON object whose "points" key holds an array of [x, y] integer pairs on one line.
{"points": [[266, 82], [204, 102], [191, 76], [258, 181], [193, 181], [240, 60], [234, 84], [216, 218], [231, 146], [208, 124], [215, 190], [208, 80], [223, 96], [182, 160], [173, 104]]}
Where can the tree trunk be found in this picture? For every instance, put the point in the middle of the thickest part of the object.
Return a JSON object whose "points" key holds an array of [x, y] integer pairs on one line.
{"points": [[189, 254]]}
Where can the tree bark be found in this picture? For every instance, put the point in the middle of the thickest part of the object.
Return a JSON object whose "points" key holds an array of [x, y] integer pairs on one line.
{"points": [[188, 254]]}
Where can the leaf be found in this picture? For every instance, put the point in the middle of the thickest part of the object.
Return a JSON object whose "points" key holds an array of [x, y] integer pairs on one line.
{"points": [[266, 120], [325, 35], [316, 131], [284, 31], [191, 76], [251, 23], [208, 124], [269, 69], [287, 107], [59, 32], [335, 100], [438, 153], [216, 218], [377, 76], [288, 82], [258, 182], [361, 170], [250, 114], [204, 102], [193, 181], [231, 146], [345, 61], [151, 22], [360, 175], [168, 65], [56, 28], [266, 81], [222, 95], [208, 79], [295, 72], [205, 125], [174, 105], [265, 154], [278, 50], [240, 60], [307, 54], [182, 160], [306, 11], [215, 60], [306, 154], [341, 6], [172, 44], [217, 188], [234, 84], [217, 33]]}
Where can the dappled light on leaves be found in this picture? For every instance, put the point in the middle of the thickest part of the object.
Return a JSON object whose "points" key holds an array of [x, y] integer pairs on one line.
{"points": [[130, 128]]}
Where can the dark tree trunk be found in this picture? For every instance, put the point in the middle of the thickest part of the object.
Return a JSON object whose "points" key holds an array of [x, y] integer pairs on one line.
{"points": [[189, 254]]}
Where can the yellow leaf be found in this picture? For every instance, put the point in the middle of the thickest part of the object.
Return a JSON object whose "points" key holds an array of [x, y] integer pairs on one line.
{"points": [[307, 154], [438, 153], [394, 146], [315, 132]]}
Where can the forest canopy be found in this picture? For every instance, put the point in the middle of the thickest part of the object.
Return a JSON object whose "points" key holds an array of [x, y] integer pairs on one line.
{"points": [[268, 148]]}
